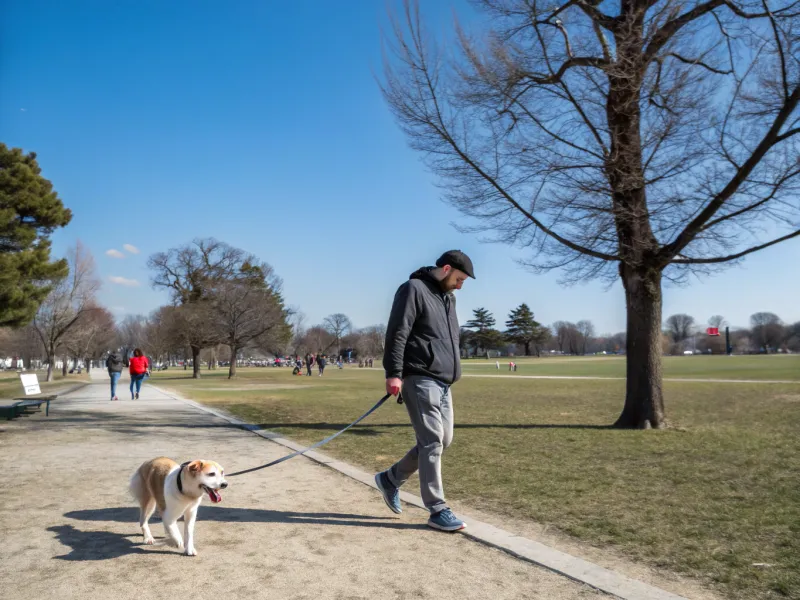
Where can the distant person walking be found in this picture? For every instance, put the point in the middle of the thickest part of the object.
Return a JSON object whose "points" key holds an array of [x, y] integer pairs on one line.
{"points": [[309, 364], [114, 365], [138, 368], [321, 362]]}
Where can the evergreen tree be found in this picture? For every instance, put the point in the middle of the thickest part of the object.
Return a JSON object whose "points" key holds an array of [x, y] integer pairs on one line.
{"points": [[522, 327], [29, 212], [482, 322], [482, 319]]}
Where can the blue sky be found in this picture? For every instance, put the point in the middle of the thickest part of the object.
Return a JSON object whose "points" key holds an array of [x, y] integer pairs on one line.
{"points": [[261, 124]]}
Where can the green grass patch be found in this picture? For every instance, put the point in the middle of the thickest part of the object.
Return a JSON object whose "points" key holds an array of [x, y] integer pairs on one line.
{"points": [[11, 386], [709, 497], [774, 367]]}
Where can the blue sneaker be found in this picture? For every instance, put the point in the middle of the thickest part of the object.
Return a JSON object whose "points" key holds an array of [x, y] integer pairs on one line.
{"points": [[445, 520], [391, 495]]}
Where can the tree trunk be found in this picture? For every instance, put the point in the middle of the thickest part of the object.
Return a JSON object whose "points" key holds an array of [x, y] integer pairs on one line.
{"points": [[88, 363], [51, 362], [232, 368], [644, 400], [64, 362], [527, 348], [196, 362]]}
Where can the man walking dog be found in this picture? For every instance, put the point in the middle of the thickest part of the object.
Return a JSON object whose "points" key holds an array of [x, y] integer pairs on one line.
{"points": [[422, 359]]}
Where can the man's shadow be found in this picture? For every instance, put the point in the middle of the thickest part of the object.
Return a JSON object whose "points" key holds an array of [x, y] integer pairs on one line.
{"points": [[130, 514], [102, 545]]}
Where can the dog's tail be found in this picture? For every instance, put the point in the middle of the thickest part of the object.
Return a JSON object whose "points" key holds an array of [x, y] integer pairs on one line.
{"points": [[136, 486]]}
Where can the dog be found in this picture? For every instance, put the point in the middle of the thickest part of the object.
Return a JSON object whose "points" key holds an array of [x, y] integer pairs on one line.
{"points": [[176, 490]]}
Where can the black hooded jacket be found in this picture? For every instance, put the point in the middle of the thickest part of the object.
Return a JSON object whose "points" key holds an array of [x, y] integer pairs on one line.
{"points": [[114, 363], [422, 334]]}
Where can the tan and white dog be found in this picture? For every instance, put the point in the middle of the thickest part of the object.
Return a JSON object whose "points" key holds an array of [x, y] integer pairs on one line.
{"points": [[176, 490]]}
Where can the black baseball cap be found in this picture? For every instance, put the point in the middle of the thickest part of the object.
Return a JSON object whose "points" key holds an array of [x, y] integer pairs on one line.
{"points": [[458, 260]]}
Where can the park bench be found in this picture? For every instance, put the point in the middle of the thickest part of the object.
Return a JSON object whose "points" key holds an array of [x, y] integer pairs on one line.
{"points": [[21, 406]]}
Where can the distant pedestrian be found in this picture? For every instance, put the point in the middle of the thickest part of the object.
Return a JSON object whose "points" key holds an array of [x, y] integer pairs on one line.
{"points": [[114, 365], [139, 368], [309, 364], [321, 364], [497, 364]]}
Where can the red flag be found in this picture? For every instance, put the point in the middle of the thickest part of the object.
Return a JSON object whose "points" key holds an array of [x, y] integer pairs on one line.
{"points": [[712, 331]]}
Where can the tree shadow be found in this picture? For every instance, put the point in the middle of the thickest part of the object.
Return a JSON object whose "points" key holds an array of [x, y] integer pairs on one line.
{"points": [[371, 429], [249, 515], [97, 545]]}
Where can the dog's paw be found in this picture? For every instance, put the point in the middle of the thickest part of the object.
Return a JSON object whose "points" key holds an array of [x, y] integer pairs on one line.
{"points": [[149, 540], [191, 551]]}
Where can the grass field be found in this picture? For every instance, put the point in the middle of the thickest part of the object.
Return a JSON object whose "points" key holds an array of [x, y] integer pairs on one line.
{"points": [[776, 367], [715, 493], [10, 386]]}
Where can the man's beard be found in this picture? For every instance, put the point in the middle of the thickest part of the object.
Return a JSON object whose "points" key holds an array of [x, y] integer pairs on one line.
{"points": [[449, 283]]}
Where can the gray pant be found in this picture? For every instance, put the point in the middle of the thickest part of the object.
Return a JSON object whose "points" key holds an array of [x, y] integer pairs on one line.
{"points": [[430, 405]]}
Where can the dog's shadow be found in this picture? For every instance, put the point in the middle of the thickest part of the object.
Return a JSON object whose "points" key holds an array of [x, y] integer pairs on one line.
{"points": [[97, 545], [102, 545]]}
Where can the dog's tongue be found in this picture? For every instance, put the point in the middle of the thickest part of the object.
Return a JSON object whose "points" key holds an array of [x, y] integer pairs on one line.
{"points": [[214, 495]]}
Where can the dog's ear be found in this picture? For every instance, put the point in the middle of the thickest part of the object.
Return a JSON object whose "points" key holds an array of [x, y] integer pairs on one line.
{"points": [[195, 466]]}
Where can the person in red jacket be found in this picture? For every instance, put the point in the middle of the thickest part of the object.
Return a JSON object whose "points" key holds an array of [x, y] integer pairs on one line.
{"points": [[139, 367]]}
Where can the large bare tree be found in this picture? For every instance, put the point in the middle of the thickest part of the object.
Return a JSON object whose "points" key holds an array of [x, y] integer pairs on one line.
{"points": [[586, 334], [191, 272], [640, 139], [338, 325], [71, 297], [680, 327], [249, 308], [159, 334], [768, 331], [131, 334], [92, 336]]}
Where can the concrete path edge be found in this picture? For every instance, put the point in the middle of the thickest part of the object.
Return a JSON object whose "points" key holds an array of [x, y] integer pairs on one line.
{"points": [[569, 566]]}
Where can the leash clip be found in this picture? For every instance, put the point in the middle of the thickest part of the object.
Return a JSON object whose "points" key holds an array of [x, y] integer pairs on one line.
{"points": [[400, 398]]}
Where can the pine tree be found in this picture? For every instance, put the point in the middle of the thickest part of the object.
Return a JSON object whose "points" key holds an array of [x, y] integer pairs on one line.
{"points": [[522, 328], [482, 322], [482, 319], [29, 212]]}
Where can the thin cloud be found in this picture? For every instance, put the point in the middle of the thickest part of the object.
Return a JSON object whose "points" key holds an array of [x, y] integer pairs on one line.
{"points": [[113, 253], [123, 281], [24, 109], [131, 248]]}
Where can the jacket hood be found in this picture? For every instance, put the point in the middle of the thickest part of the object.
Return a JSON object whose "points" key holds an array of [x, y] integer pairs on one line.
{"points": [[114, 356], [426, 274]]}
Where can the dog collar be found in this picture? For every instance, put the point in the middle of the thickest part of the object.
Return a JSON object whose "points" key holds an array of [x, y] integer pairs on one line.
{"points": [[180, 485]]}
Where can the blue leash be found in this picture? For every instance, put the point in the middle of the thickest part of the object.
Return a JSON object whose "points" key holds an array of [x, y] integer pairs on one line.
{"points": [[318, 444]]}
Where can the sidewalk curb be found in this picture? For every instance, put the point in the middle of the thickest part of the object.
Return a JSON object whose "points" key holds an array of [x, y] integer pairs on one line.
{"points": [[577, 569]]}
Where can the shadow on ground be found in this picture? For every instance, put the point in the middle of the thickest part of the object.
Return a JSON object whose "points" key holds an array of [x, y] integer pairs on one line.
{"points": [[97, 545], [103, 545], [130, 514], [371, 429]]}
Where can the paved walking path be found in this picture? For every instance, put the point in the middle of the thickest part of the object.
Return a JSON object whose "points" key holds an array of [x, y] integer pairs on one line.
{"points": [[298, 530]]}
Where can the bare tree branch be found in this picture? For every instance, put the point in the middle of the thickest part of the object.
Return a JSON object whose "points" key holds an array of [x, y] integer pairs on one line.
{"points": [[721, 259]]}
